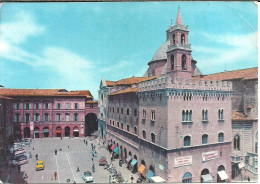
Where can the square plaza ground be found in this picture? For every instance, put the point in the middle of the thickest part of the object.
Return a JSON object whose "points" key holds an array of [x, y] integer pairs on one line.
{"points": [[74, 154]]}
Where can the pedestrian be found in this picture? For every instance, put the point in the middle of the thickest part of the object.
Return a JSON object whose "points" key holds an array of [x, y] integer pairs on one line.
{"points": [[93, 168], [55, 152], [55, 175], [109, 178], [60, 138], [36, 156], [92, 158], [84, 141], [68, 146], [248, 178], [132, 178]]}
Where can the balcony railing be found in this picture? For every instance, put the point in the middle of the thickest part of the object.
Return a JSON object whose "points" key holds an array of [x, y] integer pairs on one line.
{"points": [[251, 168]]}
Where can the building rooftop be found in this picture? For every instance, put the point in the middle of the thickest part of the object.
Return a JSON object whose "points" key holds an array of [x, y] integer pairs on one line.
{"points": [[91, 102], [245, 74], [161, 54], [4, 97], [110, 83], [43, 92], [133, 80], [124, 91], [239, 116]]}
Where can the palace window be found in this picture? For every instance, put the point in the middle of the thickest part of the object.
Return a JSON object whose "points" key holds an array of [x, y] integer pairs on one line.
{"points": [[183, 62], [46, 106], [135, 112], [182, 38], [113, 110], [27, 106], [204, 139], [221, 114], [187, 141], [186, 115], [122, 126], [27, 117], [153, 114], [17, 118], [76, 117], [46, 117], [127, 111], [221, 137], [153, 137], [36, 106], [58, 106], [122, 111], [17, 105], [110, 122], [67, 117], [172, 62], [204, 115], [237, 142], [144, 113], [144, 134], [36, 117], [118, 110], [76, 105], [67, 105], [113, 123], [58, 117]]}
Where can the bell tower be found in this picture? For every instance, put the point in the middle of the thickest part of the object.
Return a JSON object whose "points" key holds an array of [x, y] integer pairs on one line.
{"points": [[179, 50]]}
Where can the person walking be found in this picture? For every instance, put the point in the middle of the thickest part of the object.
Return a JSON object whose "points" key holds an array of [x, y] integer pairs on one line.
{"points": [[55, 175], [93, 168], [84, 141], [36, 156], [109, 178], [132, 178], [92, 158]]}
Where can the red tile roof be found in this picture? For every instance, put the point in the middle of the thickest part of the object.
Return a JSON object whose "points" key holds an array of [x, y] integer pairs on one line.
{"points": [[133, 80], [246, 74], [110, 83], [124, 91], [239, 116], [91, 102], [43, 92]]}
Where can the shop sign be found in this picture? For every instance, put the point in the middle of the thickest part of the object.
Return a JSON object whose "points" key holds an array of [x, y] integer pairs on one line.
{"points": [[209, 155], [182, 161], [31, 126]]}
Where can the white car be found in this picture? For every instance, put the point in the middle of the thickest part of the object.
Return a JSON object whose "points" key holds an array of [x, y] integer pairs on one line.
{"points": [[87, 176]]}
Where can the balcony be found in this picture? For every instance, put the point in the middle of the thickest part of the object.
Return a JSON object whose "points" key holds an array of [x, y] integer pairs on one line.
{"points": [[236, 159], [179, 45], [251, 168]]}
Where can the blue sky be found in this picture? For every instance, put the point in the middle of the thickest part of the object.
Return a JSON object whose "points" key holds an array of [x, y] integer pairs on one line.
{"points": [[74, 45]]}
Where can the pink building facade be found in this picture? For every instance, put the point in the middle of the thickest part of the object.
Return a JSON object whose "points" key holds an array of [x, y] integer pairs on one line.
{"points": [[52, 113], [171, 124]]}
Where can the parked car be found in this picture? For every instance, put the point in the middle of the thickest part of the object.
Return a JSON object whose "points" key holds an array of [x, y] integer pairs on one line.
{"points": [[87, 176], [17, 161], [102, 160], [39, 165], [19, 151]]}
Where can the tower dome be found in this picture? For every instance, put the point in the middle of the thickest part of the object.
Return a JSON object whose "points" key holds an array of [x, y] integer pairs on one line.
{"points": [[161, 54]]}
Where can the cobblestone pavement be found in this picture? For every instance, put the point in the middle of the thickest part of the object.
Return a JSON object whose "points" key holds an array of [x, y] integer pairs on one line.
{"points": [[72, 153]]}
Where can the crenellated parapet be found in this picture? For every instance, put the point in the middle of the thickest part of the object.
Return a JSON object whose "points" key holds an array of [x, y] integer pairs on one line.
{"points": [[181, 83]]}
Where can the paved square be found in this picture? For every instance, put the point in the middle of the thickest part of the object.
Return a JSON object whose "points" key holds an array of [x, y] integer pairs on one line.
{"points": [[72, 153]]}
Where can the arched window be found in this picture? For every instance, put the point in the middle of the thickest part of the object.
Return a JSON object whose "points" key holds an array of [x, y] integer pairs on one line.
{"points": [[17, 118], [36, 117], [76, 117], [27, 105], [190, 115], [127, 111], [204, 139], [58, 117], [220, 114], [182, 38], [237, 142], [187, 178], [144, 134], [27, 117], [153, 137], [118, 124], [187, 115], [58, 106], [67, 117], [76, 105], [187, 141], [183, 62], [46, 117], [36, 106], [122, 126], [221, 137], [173, 38], [172, 62], [110, 122], [204, 114], [183, 115]]}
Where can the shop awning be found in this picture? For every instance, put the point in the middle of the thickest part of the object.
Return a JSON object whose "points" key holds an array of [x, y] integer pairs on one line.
{"points": [[149, 174], [45, 130], [75, 130], [141, 169], [241, 165], [37, 131], [113, 147], [116, 150], [157, 179], [58, 131], [133, 162], [207, 178], [223, 175], [128, 158]]}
